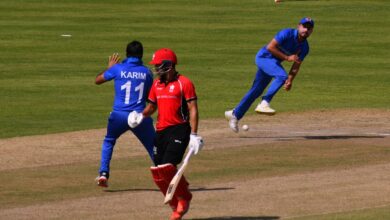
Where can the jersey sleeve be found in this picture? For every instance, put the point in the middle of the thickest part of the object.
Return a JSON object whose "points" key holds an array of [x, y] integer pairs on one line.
{"points": [[148, 82], [189, 91], [110, 73], [152, 94]]}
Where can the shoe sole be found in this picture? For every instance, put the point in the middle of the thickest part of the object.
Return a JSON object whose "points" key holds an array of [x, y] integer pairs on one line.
{"points": [[102, 183], [266, 113]]}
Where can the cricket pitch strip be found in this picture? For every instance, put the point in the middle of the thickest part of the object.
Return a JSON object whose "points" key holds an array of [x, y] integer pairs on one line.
{"points": [[283, 196]]}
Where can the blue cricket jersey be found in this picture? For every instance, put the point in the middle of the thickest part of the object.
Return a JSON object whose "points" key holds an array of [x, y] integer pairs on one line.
{"points": [[288, 43], [132, 82]]}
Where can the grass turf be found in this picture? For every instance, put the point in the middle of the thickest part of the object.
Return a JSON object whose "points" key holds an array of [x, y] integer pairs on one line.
{"points": [[379, 213], [29, 186], [47, 80]]}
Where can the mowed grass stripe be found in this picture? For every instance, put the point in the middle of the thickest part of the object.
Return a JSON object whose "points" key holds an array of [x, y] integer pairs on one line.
{"points": [[53, 183], [379, 213], [47, 80]]}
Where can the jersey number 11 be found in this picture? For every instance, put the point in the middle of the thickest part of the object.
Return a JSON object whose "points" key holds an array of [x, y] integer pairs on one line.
{"points": [[127, 87]]}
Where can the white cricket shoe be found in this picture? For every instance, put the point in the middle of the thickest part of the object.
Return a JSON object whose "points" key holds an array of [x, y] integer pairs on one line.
{"points": [[233, 122], [264, 108]]}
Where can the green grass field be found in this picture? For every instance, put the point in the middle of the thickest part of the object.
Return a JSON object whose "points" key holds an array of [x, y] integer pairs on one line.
{"points": [[212, 167], [369, 213], [47, 80]]}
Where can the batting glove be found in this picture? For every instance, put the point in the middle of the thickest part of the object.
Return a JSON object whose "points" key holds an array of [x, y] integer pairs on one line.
{"points": [[196, 143], [134, 119]]}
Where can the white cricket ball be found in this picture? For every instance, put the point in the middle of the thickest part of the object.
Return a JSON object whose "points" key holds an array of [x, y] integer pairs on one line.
{"points": [[277, 1], [245, 127]]}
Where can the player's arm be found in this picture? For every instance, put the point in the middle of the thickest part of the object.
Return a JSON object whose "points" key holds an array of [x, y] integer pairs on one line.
{"points": [[112, 60], [196, 141], [149, 110], [291, 75], [100, 78], [273, 48], [194, 116]]}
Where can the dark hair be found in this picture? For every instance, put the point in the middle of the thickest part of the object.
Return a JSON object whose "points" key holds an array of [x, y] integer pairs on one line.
{"points": [[134, 49]]}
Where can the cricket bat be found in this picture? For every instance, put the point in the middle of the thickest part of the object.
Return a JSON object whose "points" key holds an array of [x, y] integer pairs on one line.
{"points": [[176, 179]]}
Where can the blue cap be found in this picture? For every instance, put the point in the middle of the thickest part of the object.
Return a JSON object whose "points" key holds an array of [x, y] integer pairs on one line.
{"points": [[307, 20]]}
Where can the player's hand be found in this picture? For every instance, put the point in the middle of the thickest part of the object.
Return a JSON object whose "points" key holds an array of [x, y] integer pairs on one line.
{"points": [[134, 119], [196, 143], [293, 58], [288, 85], [114, 59]]}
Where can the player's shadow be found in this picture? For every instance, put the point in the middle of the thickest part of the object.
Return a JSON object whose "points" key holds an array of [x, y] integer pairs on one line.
{"points": [[131, 190], [200, 189], [156, 190], [240, 218], [330, 137], [317, 137]]}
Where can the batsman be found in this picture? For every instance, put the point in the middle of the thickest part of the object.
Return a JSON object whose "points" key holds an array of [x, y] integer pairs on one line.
{"points": [[173, 95]]}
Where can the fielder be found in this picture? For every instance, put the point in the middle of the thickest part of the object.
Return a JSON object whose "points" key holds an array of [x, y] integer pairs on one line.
{"points": [[290, 45], [132, 82], [177, 124]]}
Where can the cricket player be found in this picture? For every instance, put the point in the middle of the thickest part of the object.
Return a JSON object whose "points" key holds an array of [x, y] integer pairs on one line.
{"points": [[177, 124], [288, 45], [132, 83]]}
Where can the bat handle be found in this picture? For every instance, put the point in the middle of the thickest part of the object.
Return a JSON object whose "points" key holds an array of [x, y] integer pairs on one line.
{"points": [[189, 154]]}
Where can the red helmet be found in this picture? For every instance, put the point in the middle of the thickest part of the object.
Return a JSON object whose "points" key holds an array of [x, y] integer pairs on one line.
{"points": [[163, 54]]}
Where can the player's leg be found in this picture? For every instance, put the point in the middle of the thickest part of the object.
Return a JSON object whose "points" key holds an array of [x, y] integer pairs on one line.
{"points": [[161, 141], [182, 196], [158, 178], [117, 125], [280, 76], [174, 155], [178, 139], [259, 84], [145, 133]]}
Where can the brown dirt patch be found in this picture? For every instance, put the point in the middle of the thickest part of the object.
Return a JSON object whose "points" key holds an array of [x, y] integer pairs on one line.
{"points": [[284, 196], [66, 148]]}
